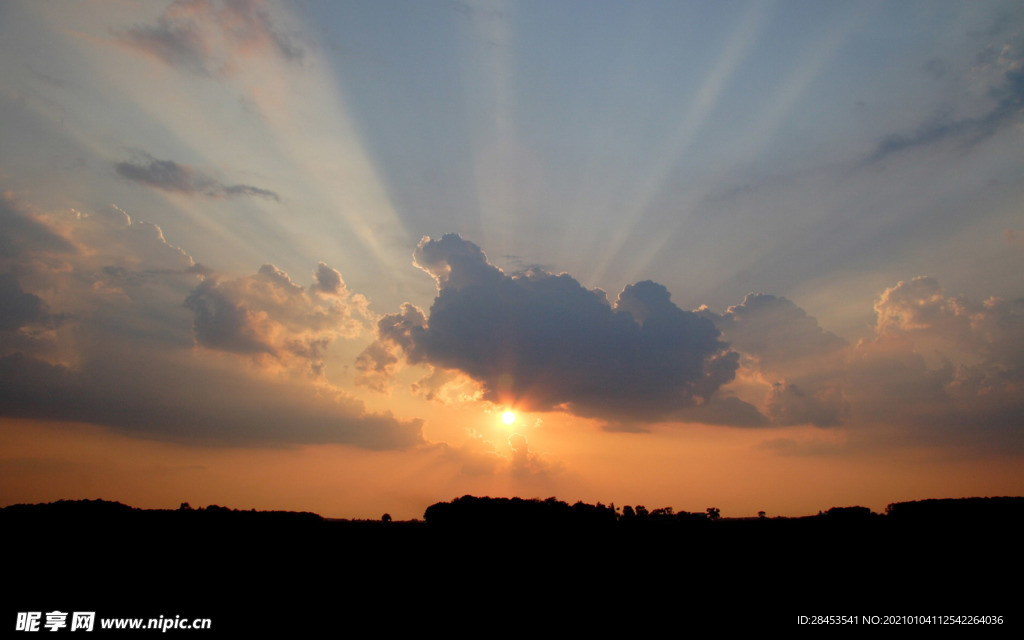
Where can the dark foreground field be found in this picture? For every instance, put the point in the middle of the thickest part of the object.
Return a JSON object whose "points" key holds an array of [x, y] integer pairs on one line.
{"points": [[481, 565]]}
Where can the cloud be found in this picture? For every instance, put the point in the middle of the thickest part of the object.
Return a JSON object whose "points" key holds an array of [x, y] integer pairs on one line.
{"points": [[168, 175], [221, 323], [777, 332], [542, 341], [20, 309], [982, 338], [477, 456], [939, 369], [725, 409], [154, 395], [949, 368], [525, 462], [447, 387], [211, 38], [328, 281], [101, 322], [788, 404], [1001, 70], [936, 366], [801, 363], [22, 231], [249, 190], [267, 313]]}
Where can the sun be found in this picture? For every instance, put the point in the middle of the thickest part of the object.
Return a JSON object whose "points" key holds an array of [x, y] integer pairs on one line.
{"points": [[508, 418]]}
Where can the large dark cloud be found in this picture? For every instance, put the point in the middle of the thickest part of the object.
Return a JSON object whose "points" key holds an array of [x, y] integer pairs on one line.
{"points": [[544, 342], [949, 370], [168, 175], [149, 393]]}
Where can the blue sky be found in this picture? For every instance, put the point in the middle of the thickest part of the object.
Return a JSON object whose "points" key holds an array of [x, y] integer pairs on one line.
{"points": [[858, 164]]}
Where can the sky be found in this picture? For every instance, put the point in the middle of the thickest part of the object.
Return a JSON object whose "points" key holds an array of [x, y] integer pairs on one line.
{"points": [[307, 256]]}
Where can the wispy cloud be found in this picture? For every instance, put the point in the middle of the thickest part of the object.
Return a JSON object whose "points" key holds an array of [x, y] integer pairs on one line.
{"points": [[168, 175], [1002, 69], [477, 456], [211, 38]]}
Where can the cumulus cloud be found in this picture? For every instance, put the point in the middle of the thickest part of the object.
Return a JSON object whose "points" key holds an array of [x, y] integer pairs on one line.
{"points": [[977, 344], [936, 366], [949, 368], [211, 38], [544, 342], [777, 332], [221, 323], [328, 281], [988, 333], [101, 321], [268, 313], [168, 175], [800, 363], [447, 387], [933, 364]]}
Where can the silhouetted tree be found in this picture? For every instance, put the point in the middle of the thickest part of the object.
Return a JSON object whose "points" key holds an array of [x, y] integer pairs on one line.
{"points": [[663, 514], [386, 517], [762, 515], [848, 513], [713, 513]]}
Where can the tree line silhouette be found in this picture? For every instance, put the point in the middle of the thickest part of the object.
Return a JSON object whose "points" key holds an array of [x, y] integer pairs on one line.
{"points": [[473, 511], [930, 555]]}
